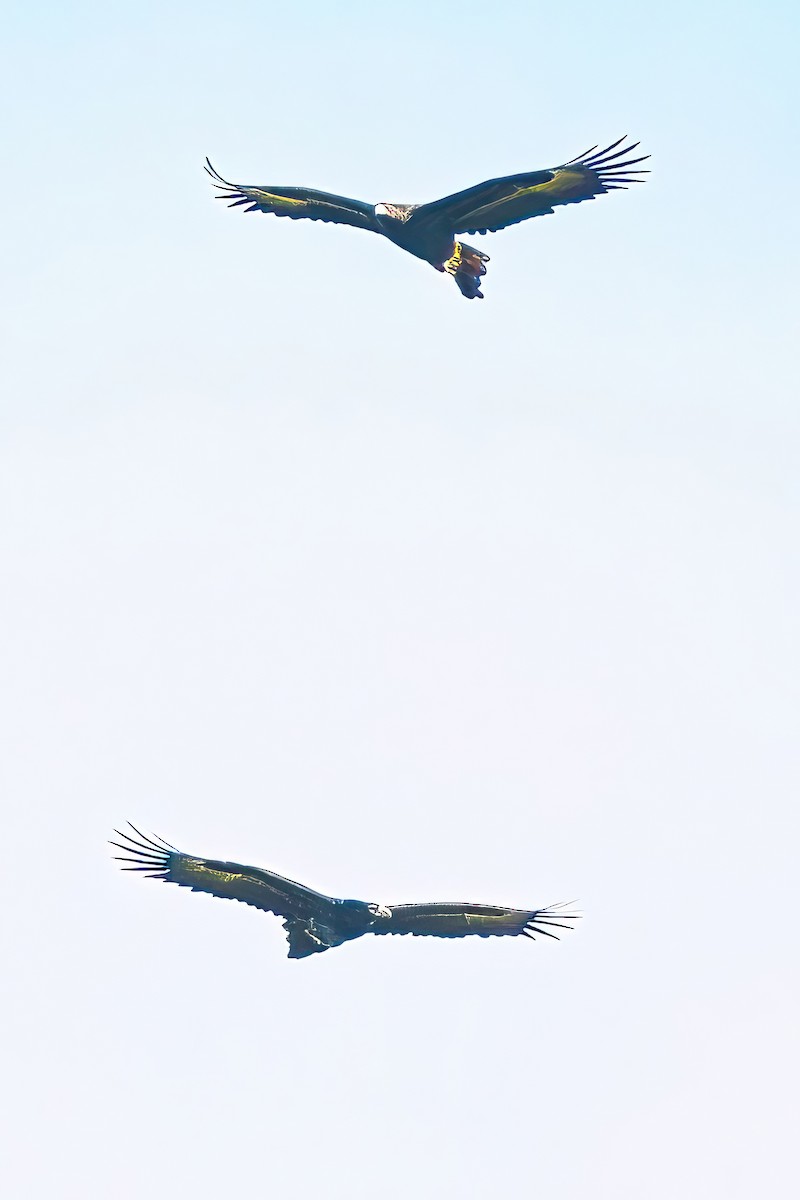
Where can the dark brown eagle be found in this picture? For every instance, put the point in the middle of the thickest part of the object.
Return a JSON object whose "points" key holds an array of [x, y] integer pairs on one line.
{"points": [[428, 230], [314, 922]]}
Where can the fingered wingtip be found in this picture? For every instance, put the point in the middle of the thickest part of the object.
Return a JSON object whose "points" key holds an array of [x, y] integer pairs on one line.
{"points": [[144, 846], [606, 161], [215, 175]]}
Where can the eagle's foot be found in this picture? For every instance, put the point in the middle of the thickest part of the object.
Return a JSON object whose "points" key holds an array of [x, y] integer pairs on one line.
{"points": [[466, 265]]}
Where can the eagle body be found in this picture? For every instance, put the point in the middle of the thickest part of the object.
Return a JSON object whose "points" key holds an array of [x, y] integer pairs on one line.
{"points": [[429, 231], [432, 241], [341, 921], [315, 922]]}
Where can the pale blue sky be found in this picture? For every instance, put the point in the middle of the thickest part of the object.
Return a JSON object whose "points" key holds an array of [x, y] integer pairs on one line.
{"points": [[310, 563]]}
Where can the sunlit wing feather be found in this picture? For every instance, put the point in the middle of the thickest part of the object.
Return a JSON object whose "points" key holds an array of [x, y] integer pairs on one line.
{"points": [[296, 202], [461, 920], [231, 881], [498, 203]]}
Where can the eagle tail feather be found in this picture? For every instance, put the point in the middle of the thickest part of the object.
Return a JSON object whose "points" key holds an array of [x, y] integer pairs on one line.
{"points": [[467, 266], [304, 939]]}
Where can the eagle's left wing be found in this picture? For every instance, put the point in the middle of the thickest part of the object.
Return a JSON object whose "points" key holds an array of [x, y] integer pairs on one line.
{"points": [[296, 202], [497, 203], [460, 920], [263, 889]]}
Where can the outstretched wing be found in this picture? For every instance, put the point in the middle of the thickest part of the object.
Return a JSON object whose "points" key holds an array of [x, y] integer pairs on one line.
{"points": [[296, 202], [231, 881], [461, 920], [497, 203]]}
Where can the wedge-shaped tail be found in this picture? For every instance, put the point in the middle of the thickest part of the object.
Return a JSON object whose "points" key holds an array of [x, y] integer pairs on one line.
{"points": [[467, 266]]}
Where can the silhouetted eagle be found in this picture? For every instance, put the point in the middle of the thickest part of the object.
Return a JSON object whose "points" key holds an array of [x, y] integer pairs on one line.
{"points": [[428, 230], [314, 922]]}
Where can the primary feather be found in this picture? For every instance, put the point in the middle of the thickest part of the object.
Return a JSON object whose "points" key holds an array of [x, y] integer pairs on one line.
{"points": [[315, 922]]}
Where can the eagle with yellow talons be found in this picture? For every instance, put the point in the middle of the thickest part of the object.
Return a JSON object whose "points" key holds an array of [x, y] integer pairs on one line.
{"points": [[428, 231], [314, 922]]}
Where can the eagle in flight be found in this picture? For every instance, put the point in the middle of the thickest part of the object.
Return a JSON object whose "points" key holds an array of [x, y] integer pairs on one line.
{"points": [[428, 231], [314, 922]]}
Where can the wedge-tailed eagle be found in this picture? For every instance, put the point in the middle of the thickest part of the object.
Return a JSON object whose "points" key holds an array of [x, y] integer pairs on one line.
{"points": [[428, 230], [314, 922]]}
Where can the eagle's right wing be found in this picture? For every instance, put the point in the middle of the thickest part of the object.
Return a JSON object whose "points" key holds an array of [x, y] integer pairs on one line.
{"points": [[230, 881], [498, 203], [296, 202]]}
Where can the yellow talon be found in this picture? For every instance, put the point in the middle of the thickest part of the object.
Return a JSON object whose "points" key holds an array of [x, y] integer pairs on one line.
{"points": [[454, 262]]}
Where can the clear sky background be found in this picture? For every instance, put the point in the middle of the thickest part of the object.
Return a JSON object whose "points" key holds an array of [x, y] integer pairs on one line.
{"points": [[308, 562]]}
